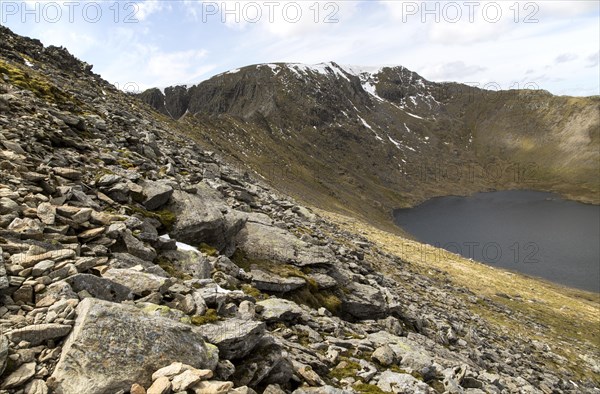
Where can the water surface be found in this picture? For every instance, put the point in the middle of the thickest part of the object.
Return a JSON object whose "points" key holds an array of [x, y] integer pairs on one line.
{"points": [[535, 233]]}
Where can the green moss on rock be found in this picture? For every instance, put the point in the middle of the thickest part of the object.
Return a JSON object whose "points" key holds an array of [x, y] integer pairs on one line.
{"points": [[209, 317]]}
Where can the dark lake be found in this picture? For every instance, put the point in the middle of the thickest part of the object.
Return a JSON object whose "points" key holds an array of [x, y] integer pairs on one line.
{"points": [[535, 233]]}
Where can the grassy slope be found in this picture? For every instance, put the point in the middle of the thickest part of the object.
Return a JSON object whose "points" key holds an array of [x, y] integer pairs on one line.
{"points": [[567, 320]]}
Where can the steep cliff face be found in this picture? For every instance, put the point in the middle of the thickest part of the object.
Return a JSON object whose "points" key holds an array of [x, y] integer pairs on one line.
{"points": [[390, 136]]}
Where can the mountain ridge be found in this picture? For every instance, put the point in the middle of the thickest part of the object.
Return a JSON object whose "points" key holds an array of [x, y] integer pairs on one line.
{"points": [[404, 127]]}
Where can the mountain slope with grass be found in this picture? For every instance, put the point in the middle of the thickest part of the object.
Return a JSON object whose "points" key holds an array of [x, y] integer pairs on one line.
{"points": [[134, 258], [368, 140]]}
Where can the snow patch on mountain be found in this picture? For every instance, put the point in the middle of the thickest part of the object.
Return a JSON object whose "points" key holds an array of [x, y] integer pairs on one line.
{"points": [[368, 126]]}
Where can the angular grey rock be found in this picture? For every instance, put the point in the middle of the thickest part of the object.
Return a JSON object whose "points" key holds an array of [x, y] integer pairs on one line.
{"points": [[137, 248], [261, 242], [102, 288], [268, 359], [235, 338], [47, 213], [19, 376], [26, 226], [277, 309], [26, 260], [384, 355], [135, 343], [324, 281], [269, 282], [8, 206], [364, 302], [3, 352], [393, 382], [36, 386], [38, 333], [200, 218], [321, 390], [140, 283], [3, 278], [156, 194]]}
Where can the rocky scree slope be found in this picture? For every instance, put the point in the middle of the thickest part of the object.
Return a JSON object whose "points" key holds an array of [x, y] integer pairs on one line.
{"points": [[132, 260], [370, 140]]}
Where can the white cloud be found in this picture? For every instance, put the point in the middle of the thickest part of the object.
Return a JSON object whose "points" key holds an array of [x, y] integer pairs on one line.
{"points": [[565, 57], [452, 71], [144, 9]]}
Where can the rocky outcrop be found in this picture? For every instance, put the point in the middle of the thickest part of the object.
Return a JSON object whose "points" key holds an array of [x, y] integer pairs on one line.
{"points": [[235, 338], [203, 218], [135, 342], [262, 242]]}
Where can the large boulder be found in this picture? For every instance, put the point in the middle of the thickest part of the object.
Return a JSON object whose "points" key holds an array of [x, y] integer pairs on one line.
{"points": [[113, 346], [204, 218], [273, 283], [102, 288], [262, 242], [155, 194], [235, 338], [393, 382], [364, 302], [277, 310], [140, 283], [268, 363]]}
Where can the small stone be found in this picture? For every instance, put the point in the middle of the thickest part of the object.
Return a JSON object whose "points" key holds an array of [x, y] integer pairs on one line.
{"points": [[20, 376], [108, 179], [212, 387], [161, 385], [42, 268], [384, 355], [170, 370], [8, 206], [137, 389], [23, 294], [36, 386], [39, 333], [68, 173], [46, 213], [26, 226], [91, 233], [184, 380]]}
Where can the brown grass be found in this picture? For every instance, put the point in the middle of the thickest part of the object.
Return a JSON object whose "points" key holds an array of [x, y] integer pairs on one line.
{"points": [[569, 318]]}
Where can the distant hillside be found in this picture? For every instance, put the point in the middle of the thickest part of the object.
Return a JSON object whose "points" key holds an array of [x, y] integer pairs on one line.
{"points": [[372, 139]]}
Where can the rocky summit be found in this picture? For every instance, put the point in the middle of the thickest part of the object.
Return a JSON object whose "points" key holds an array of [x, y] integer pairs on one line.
{"points": [[133, 260]]}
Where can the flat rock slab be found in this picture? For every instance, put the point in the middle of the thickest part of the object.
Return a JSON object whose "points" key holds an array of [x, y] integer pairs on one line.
{"points": [[277, 309], [262, 242], [140, 283], [265, 281], [393, 382], [113, 346], [235, 338], [38, 333]]}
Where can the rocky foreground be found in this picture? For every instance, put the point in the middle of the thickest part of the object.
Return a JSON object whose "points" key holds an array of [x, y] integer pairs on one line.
{"points": [[132, 260]]}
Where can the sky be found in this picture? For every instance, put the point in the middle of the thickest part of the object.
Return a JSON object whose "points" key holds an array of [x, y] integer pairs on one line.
{"points": [[552, 45]]}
